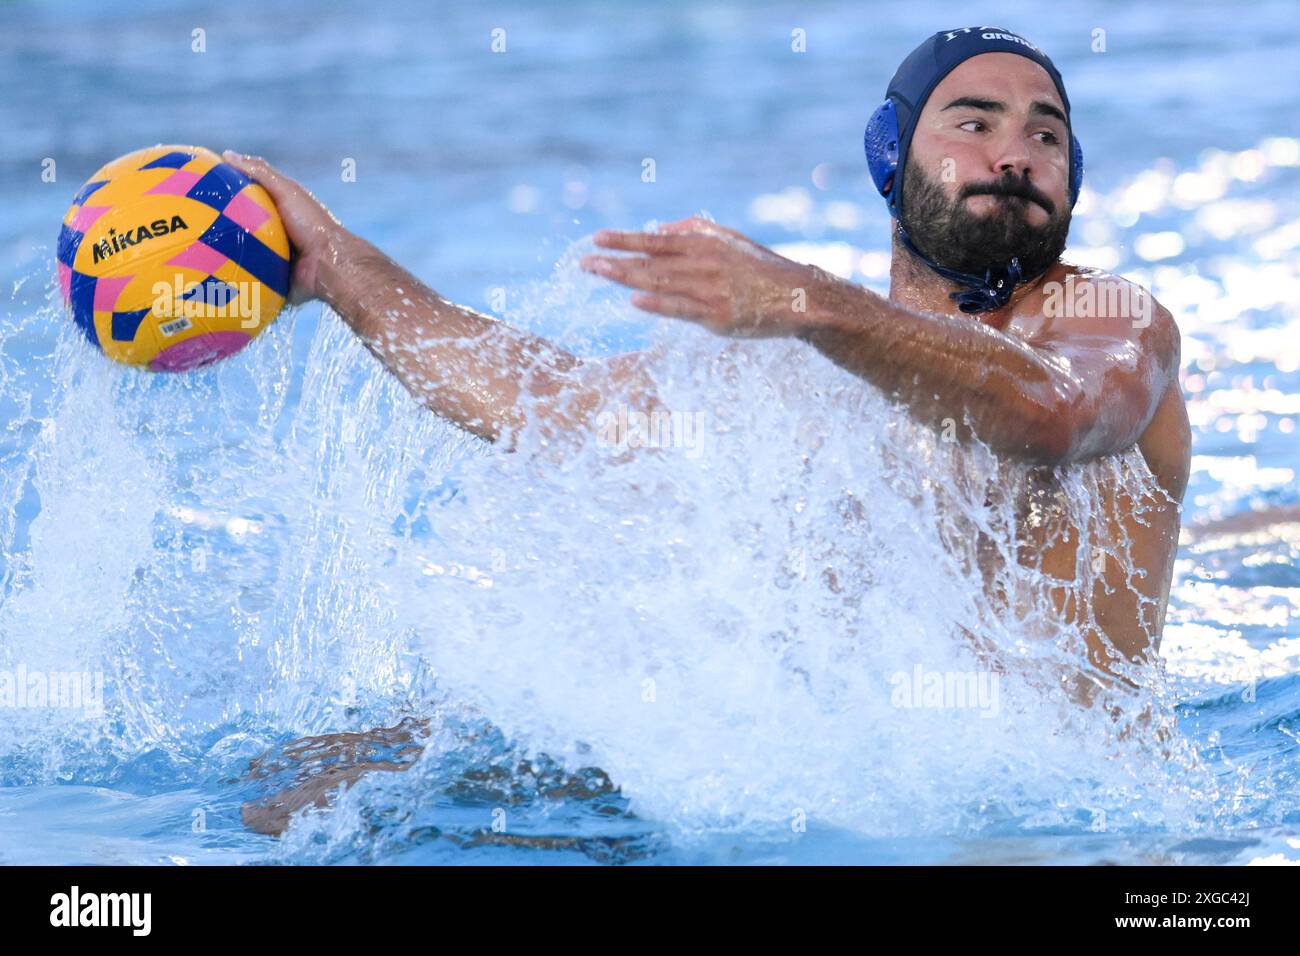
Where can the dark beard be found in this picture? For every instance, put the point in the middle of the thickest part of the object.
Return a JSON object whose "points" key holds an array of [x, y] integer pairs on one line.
{"points": [[951, 235]]}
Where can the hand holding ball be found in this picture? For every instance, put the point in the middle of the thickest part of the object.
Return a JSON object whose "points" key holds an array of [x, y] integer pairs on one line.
{"points": [[170, 259]]}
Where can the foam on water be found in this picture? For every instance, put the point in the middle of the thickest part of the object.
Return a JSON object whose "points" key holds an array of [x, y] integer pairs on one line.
{"points": [[286, 544], [723, 625]]}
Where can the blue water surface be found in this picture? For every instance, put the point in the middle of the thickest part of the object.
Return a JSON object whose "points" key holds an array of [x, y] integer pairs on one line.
{"points": [[477, 170]]}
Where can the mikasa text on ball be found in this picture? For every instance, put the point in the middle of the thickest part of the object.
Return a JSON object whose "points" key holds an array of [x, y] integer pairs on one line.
{"points": [[170, 259]]}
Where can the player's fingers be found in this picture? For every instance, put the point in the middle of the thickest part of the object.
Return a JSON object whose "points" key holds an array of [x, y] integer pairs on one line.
{"points": [[675, 274], [652, 243], [671, 305], [254, 166], [699, 225]]}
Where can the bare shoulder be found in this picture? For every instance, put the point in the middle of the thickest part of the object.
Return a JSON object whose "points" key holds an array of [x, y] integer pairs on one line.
{"points": [[1117, 326], [1086, 305], [1125, 308], [1086, 296]]}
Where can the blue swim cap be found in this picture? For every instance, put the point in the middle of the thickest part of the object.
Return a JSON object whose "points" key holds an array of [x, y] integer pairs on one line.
{"points": [[889, 136]]}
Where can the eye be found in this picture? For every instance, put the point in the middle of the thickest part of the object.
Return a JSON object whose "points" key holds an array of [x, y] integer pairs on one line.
{"points": [[1051, 139], [969, 122]]}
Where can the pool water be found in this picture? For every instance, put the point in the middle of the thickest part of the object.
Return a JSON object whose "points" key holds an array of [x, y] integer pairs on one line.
{"points": [[609, 663]]}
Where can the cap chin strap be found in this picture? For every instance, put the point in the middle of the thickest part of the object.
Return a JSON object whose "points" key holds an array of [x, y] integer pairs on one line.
{"points": [[993, 291]]}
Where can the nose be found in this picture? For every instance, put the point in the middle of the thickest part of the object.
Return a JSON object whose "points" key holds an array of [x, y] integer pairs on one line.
{"points": [[1012, 155]]}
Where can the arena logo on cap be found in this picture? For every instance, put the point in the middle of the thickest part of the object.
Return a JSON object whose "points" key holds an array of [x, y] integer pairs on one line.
{"points": [[1011, 37], [990, 33]]}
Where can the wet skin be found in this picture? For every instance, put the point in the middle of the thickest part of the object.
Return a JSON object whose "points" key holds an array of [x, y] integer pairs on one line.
{"points": [[1036, 386], [1039, 384], [1047, 389]]}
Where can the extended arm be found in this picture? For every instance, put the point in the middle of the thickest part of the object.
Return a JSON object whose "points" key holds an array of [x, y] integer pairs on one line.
{"points": [[1086, 388], [1075, 389], [481, 374]]}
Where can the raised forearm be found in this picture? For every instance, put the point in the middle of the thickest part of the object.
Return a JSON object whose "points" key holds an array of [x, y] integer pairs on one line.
{"points": [[943, 368], [481, 374], [469, 368]]}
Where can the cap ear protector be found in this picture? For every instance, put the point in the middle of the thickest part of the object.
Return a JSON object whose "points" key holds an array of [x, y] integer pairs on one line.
{"points": [[881, 141], [889, 136]]}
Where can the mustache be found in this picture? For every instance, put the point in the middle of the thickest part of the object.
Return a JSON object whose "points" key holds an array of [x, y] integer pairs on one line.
{"points": [[1010, 186]]}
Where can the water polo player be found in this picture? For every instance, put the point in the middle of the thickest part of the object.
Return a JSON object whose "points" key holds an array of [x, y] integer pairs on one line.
{"points": [[986, 334]]}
